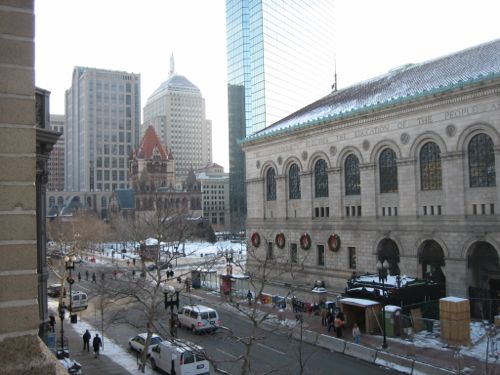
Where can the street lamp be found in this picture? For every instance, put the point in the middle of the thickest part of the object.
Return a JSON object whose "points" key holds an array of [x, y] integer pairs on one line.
{"points": [[69, 261], [169, 292], [62, 353], [229, 261], [382, 268]]}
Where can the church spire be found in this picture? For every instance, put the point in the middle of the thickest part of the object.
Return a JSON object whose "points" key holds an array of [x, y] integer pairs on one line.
{"points": [[172, 65]]}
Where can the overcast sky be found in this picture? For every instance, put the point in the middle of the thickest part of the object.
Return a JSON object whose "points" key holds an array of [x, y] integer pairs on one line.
{"points": [[138, 36]]}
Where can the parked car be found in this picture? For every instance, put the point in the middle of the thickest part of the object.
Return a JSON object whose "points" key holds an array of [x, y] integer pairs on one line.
{"points": [[73, 367], [137, 343], [55, 290], [163, 266], [199, 318], [188, 358]]}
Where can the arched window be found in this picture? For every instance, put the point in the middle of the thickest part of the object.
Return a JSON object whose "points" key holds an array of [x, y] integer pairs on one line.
{"points": [[388, 171], [430, 167], [320, 179], [294, 182], [271, 184], [52, 202], [352, 180], [481, 161]]}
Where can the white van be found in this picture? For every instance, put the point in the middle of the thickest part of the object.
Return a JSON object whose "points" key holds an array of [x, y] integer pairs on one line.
{"points": [[79, 300], [187, 358], [199, 318]]}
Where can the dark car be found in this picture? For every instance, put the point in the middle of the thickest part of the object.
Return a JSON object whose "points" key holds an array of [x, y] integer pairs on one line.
{"points": [[55, 290], [163, 266]]}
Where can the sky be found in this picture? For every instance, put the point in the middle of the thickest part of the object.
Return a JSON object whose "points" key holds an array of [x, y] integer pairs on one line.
{"points": [[138, 36]]}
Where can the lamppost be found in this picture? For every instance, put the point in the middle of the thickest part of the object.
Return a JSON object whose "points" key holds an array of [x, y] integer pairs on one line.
{"points": [[61, 353], [69, 261], [229, 262], [382, 268], [169, 292]]}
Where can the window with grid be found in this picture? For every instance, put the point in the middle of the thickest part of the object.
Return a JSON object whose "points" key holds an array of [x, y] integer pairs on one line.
{"points": [[481, 161], [388, 171], [294, 182], [271, 185], [352, 178], [320, 179], [430, 167]]}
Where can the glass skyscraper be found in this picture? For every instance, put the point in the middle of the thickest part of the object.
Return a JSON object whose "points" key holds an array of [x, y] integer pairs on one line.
{"points": [[280, 58]]}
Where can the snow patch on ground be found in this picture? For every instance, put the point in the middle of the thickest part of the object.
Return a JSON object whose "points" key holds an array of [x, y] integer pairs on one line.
{"points": [[110, 349]]}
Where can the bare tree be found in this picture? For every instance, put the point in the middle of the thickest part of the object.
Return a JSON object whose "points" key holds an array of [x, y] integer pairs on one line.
{"points": [[144, 290]]}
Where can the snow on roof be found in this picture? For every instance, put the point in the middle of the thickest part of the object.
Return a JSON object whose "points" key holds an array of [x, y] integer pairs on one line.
{"points": [[392, 308], [476, 64], [390, 281], [358, 302], [453, 299]]}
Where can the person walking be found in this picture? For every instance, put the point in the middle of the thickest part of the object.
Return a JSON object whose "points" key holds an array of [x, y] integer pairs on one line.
{"points": [[324, 312], [79, 276], [356, 333], [86, 340], [93, 277], [249, 298], [96, 343], [339, 324], [87, 275], [52, 323], [330, 321]]}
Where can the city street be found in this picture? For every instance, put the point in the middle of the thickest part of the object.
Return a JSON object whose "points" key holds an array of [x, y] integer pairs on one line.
{"points": [[273, 351]]}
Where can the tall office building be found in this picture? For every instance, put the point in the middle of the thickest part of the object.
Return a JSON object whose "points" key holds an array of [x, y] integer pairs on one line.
{"points": [[102, 128], [280, 58], [56, 158], [176, 110]]}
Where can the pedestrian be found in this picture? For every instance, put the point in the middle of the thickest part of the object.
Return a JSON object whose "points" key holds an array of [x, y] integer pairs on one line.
{"points": [[93, 277], [133, 274], [102, 276], [79, 276], [87, 275], [330, 321], [294, 304], [86, 340], [356, 333], [249, 298], [114, 273], [324, 312], [96, 343], [128, 262], [339, 324], [52, 323], [133, 261]]}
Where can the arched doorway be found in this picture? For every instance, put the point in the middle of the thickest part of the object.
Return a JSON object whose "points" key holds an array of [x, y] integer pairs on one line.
{"points": [[388, 249], [483, 272], [431, 257]]}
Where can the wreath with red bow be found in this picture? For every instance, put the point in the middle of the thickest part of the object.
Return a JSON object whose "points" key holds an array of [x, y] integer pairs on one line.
{"points": [[255, 239], [334, 242], [280, 240], [305, 242]]}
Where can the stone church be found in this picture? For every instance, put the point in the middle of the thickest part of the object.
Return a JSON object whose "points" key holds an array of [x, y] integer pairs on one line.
{"points": [[403, 167]]}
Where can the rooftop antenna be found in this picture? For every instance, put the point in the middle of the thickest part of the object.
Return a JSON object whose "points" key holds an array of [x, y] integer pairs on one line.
{"points": [[172, 65], [334, 85]]}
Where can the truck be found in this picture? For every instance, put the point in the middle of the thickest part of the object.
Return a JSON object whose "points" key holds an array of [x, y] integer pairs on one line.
{"points": [[184, 357]]}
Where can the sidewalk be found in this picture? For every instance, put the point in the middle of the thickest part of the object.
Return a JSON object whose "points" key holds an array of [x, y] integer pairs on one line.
{"points": [[113, 360], [442, 358]]}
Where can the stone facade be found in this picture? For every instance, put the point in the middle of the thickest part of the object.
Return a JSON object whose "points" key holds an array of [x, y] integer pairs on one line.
{"points": [[450, 229], [23, 175]]}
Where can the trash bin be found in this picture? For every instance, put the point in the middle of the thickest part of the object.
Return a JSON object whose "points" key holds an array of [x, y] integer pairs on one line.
{"points": [[74, 318], [392, 314]]}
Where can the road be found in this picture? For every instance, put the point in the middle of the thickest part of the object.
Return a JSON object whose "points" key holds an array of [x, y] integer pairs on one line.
{"points": [[272, 352]]}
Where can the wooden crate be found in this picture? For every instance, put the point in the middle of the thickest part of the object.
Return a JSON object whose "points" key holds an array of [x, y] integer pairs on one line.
{"points": [[455, 320]]}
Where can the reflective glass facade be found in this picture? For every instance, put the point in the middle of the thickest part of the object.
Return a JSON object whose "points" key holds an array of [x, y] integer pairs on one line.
{"points": [[280, 58]]}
